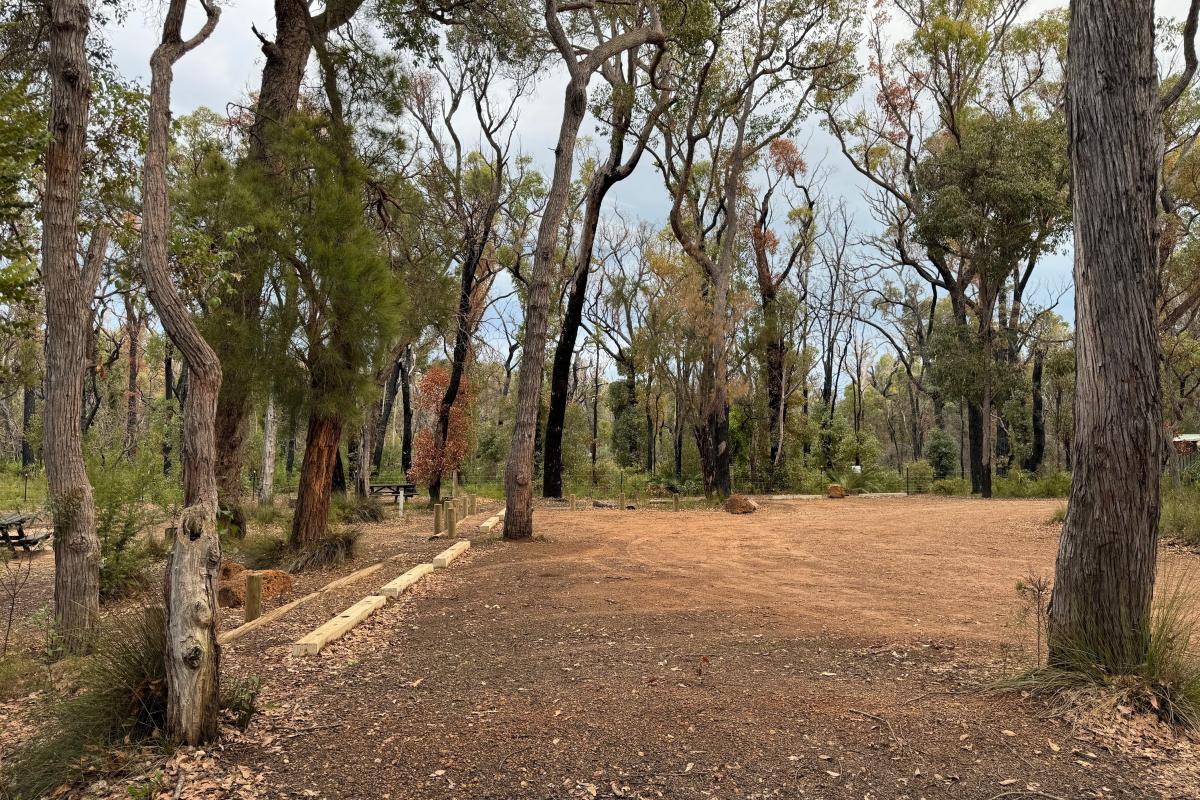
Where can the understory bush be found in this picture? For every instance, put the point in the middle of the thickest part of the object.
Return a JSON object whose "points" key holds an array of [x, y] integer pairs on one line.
{"points": [[951, 486], [119, 700], [941, 451], [1021, 484], [258, 551], [1181, 514], [130, 501]]}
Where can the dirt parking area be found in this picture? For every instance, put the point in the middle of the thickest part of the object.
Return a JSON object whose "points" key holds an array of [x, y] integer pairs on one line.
{"points": [[816, 648]]}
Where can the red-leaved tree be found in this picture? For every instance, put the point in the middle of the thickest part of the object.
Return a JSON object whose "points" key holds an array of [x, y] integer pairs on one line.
{"points": [[431, 463]]}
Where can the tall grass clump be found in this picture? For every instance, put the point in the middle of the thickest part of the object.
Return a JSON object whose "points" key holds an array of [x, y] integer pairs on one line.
{"points": [[337, 547], [1021, 484], [120, 700], [1166, 683]]}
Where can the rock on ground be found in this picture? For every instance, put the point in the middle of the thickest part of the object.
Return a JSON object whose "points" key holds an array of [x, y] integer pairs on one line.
{"points": [[740, 504]]}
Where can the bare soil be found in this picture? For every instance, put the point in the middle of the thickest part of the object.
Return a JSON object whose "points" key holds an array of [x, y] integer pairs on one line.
{"points": [[812, 649]]}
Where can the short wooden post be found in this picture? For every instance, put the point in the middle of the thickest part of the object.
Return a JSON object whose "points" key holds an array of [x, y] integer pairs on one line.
{"points": [[471, 504], [462, 506], [453, 483], [621, 502], [437, 519], [675, 501], [574, 507], [253, 596], [400, 503], [451, 526]]}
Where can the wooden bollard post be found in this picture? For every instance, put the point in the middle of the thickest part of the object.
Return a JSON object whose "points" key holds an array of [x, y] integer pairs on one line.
{"points": [[437, 519], [471, 504], [574, 507], [675, 501], [253, 596], [451, 526], [462, 507]]}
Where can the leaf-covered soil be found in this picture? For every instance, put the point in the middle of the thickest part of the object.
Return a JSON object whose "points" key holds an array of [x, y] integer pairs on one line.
{"points": [[812, 649]]}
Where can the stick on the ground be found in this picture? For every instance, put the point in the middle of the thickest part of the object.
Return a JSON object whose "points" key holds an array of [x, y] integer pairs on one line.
{"points": [[892, 731]]}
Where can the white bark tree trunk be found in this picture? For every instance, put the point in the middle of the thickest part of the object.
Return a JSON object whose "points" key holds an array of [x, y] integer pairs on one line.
{"points": [[266, 488]]}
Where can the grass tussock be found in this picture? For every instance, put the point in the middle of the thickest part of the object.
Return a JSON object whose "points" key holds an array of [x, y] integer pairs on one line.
{"points": [[1058, 517], [1166, 683], [337, 547], [259, 551], [353, 509], [119, 702]]}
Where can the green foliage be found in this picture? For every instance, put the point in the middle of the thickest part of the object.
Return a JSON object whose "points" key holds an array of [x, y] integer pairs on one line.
{"points": [[1180, 517], [1020, 484], [239, 699], [941, 451], [120, 701], [131, 498], [951, 486], [1058, 517], [919, 477]]}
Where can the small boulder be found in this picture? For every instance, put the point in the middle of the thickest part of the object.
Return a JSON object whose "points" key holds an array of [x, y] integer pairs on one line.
{"points": [[740, 504], [232, 590], [835, 490]]}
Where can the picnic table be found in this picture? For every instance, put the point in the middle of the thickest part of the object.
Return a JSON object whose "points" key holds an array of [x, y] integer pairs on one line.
{"points": [[12, 533], [394, 489]]}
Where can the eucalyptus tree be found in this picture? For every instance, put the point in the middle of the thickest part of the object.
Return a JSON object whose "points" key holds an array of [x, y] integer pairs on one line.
{"points": [[744, 75], [1100, 614], [471, 194], [628, 77], [969, 82], [593, 47], [192, 653], [786, 183]]}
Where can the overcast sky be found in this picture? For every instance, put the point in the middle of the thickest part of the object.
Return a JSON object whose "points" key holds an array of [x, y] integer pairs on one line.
{"points": [[226, 69]]}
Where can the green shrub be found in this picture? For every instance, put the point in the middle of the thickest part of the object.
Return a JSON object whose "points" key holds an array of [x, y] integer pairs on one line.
{"points": [[1021, 484], [1058, 517], [918, 477], [1181, 514], [951, 486], [941, 451], [120, 700], [239, 698]]}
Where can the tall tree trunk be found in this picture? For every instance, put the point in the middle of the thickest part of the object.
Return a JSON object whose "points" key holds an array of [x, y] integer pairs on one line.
{"points": [[316, 473], [290, 460], [385, 415], [1038, 450], [407, 410], [337, 479], [286, 58], [68, 304], [192, 652], [518, 474], [564, 352], [1104, 577], [169, 410], [133, 324], [266, 486], [28, 399], [975, 445]]}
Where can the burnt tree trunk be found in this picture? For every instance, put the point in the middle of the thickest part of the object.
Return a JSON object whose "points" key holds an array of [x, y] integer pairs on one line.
{"points": [[316, 472], [1105, 572], [192, 652], [28, 399], [1038, 449], [407, 411], [69, 293]]}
